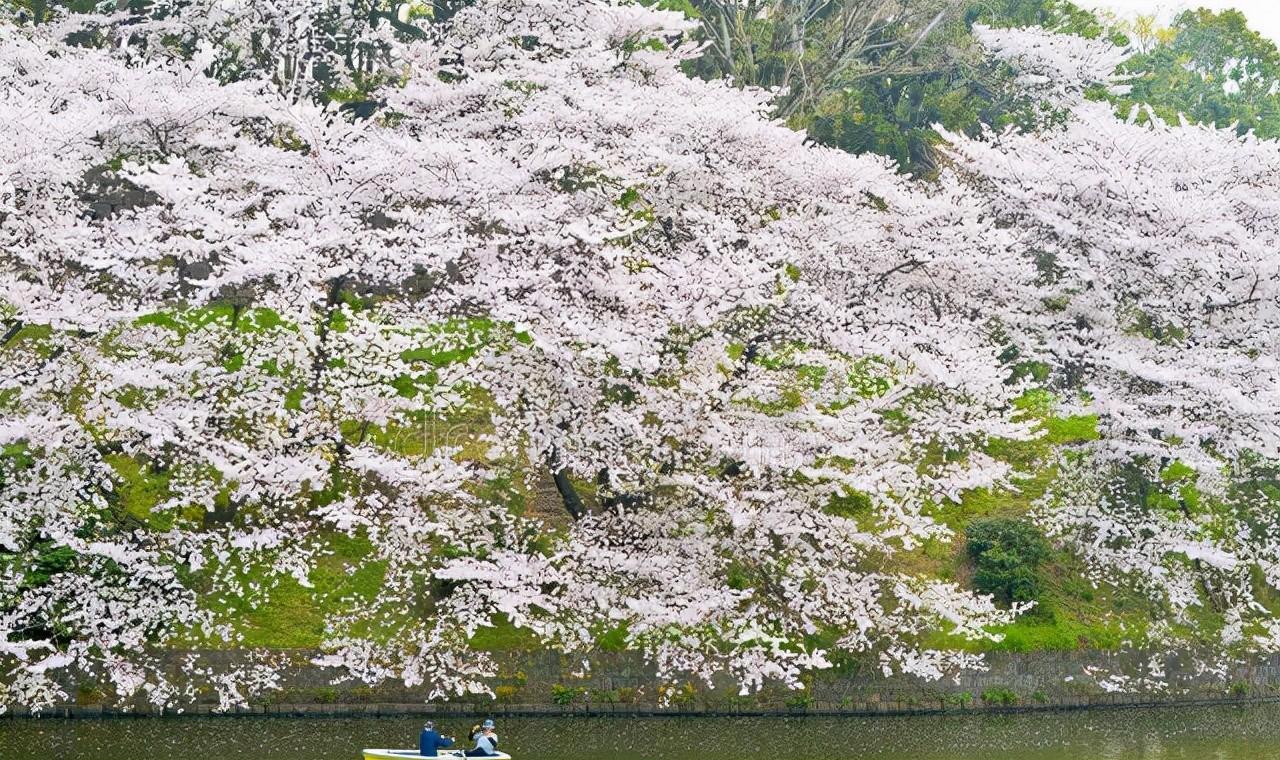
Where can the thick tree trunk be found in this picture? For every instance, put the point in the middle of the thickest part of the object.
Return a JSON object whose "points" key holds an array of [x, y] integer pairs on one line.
{"points": [[321, 358], [573, 503], [14, 329]]}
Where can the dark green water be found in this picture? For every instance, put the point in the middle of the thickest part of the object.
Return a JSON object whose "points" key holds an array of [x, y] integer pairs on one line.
{"points": [[1208, 733]]}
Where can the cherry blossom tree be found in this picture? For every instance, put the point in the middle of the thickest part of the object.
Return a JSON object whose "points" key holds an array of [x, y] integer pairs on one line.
{"points": [[755, 370], [1155, 300]]}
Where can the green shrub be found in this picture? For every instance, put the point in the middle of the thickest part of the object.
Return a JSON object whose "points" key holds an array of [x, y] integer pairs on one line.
{"points": [[609, 696], [999, 696], [677, 695], [1006, 554], [962, 699], [565, 695], [87, 694], [50, 559]]}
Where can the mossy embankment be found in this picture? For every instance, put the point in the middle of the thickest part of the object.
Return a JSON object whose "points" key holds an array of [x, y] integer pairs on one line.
{"points": [[265, 608]]}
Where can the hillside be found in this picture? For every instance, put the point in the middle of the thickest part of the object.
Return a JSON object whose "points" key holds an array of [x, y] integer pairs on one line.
{"points": [[417, 333]]}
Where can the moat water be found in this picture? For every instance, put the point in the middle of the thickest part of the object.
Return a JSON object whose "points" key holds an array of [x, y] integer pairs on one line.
{"points": [[1187, 733]]}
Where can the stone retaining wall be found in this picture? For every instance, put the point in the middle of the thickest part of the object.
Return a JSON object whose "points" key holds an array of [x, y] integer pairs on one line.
{"points": [[621, 683]]}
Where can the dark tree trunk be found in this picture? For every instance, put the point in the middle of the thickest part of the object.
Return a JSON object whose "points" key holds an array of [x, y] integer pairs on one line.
{"points": [[573, 503], [321, 358], [13, 330]]}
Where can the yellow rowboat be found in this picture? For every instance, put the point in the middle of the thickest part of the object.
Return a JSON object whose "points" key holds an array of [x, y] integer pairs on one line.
{"points": [[402, 754]]}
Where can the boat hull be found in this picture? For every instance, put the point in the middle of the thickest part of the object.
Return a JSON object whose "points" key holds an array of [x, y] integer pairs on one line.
{"points": [[404, 754]]}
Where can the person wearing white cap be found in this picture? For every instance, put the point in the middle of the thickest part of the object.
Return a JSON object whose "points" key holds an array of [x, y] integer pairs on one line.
{"points": [[486, 740]]}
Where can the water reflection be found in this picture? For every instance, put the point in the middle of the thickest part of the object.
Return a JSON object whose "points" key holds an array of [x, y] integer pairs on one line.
{"points": [[1219, 733]]}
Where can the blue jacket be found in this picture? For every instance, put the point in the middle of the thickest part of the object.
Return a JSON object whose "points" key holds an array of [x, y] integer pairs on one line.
{"points": [[430, 740]]}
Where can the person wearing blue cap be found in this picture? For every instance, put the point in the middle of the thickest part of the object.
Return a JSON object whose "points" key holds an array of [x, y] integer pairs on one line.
{"points": [[430, 742], [486, 740]]}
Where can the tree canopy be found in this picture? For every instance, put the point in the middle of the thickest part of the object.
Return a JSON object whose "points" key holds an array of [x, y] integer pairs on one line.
{"points": [[1210, 68], [245, 251]]}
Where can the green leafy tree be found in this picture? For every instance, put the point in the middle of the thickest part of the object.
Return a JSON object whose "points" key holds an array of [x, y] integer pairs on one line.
{"points": [[1007, 554], [875, 76], [1059, 15], [1211, 68]]}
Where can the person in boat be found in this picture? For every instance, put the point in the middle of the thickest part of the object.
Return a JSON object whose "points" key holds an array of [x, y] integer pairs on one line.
{"points": [[486, 738], [430, 742]]}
